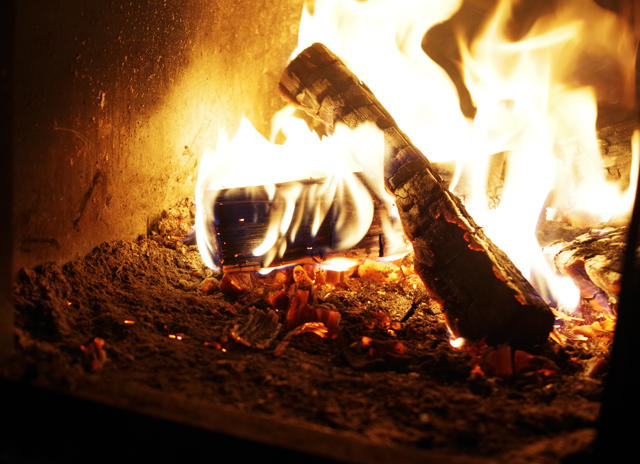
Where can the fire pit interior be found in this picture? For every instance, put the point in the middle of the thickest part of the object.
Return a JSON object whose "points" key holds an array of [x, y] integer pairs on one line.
{"points": [[355, 231]]}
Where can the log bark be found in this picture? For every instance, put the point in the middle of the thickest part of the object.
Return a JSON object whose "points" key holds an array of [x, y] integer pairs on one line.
{"points": [[483, 295]]}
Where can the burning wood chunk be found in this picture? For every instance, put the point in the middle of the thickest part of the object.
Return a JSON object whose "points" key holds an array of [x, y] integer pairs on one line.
{"points": [[282, 286], [594, 261], [278, 299], [301, 311], [243, 218], [301, 278], [504, 362], [316, 328], [483, 294], [258, 330], [278, 279], [236, 283]]}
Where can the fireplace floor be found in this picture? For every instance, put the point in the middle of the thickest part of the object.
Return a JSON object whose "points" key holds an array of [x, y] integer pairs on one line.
{"points": [[175, 357]]}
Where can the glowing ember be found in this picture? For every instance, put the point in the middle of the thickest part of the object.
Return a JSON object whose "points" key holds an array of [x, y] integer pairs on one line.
{"points": [[339, 264], [215, 345]]}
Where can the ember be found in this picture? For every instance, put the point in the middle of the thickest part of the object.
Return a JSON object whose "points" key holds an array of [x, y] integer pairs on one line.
{"points": [[94, 354]]}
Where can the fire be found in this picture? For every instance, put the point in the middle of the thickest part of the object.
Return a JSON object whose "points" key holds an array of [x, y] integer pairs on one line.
{"points": [[278, 173], [531, 104], [536, 105]]}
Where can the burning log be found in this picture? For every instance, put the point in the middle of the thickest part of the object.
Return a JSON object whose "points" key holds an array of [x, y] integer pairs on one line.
{"points": [[243, 219], [484, 296], [594, 261]]}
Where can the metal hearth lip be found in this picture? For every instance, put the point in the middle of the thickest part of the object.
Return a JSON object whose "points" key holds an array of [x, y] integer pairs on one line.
{"points": [[70, 427]]}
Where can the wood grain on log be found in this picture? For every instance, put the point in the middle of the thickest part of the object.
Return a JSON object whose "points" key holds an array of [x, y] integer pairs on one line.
{"points": [[484, 296], [594, 262], [615, 146]]}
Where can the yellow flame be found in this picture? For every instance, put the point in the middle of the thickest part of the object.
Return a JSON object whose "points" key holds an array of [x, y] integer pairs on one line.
{"points": [[380, 41], [536, 94], [341, 164], [536, 99], [339, 264], [534, 106], [457, 343]]}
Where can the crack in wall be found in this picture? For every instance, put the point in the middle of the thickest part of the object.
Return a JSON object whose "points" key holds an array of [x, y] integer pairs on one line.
{"points": [[97, 178]]}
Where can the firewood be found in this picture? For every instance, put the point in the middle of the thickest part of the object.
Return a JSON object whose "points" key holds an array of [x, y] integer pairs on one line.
{"points": [[594, 261], [242, 220], [483, 295], [615, 145]]}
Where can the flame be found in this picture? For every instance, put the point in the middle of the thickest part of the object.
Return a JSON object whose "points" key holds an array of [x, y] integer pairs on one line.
{"points": [[533, 106], [339, 264], [536, 99], [536, 96], [380, 41], [278, 173], [457, 342]]}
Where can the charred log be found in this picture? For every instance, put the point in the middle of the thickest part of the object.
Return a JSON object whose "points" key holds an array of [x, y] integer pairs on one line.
{"points": [[615, 146], [593, 260], [484, 296]]}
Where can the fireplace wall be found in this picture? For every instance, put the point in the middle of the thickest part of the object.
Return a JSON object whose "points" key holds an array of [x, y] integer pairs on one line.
{"points": [[6, 245], [114, 102]]}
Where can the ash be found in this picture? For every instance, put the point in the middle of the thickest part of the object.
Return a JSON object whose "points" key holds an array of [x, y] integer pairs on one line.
{"points": [[146, 319]]}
